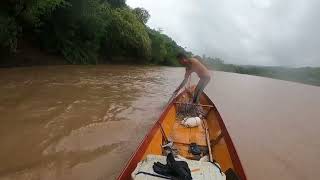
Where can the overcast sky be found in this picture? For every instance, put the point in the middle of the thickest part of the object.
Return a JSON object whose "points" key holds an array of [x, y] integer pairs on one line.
{"points": [[258, 32]]}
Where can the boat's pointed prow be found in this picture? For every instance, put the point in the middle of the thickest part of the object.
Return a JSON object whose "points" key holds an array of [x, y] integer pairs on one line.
{"points": [[197, 135]]}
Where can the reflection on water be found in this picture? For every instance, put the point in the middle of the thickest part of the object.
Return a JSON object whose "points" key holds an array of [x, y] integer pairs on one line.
{"points": [[83, 122]]}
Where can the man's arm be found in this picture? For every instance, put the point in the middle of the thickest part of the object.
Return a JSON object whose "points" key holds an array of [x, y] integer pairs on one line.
{"points": [[185, 80]]}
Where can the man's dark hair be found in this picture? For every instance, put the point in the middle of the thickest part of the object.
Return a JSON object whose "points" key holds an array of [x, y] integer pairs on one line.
{"points": [[181, 56]]}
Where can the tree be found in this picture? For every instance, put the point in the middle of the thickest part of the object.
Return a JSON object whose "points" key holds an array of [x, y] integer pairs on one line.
{"points": [[8, 34], [116, 3], [142, 14], [159, 50], [83, 30], [128, 36], [164, 49], [79, 35]]}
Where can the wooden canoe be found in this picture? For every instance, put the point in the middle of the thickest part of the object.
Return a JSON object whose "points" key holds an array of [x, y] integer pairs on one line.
{"points": [[221, 146]]}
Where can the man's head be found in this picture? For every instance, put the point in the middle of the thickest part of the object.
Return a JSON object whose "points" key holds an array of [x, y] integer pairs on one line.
{"points": [[182, 58]]}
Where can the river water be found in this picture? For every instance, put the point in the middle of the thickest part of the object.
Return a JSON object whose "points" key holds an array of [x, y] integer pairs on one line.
{"points": [[83, 122]]}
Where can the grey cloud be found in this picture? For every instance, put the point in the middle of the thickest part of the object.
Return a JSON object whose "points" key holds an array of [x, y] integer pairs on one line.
{"points": [[260, 32]]}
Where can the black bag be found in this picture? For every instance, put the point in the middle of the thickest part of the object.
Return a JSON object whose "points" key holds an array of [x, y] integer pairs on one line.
{"points": [[176, 169]]}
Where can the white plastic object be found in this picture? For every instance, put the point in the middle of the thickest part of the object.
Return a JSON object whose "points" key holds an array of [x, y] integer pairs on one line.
{"points": [[191, 122], [204, 158]]}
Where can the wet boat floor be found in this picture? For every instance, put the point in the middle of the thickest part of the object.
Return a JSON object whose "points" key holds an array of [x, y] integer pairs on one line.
{"points": [[183, 136]]}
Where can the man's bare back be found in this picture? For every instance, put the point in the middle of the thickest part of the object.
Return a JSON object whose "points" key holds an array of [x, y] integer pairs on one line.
{"points": [[196, 66]]}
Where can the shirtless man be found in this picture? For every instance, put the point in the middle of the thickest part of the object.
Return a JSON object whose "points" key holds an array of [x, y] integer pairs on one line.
{"points": [[194, 65]]}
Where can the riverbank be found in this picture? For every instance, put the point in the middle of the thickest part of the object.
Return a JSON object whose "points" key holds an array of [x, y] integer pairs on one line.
{"points": [[32, 56]]}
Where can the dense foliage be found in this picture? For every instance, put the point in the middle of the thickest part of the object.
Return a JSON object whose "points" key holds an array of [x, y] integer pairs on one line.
{"points": [[164, 49], [99, 31], [84, 31]]}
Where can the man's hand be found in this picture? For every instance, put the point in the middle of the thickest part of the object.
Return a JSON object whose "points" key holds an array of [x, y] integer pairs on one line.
{"points": [[186, 77]]}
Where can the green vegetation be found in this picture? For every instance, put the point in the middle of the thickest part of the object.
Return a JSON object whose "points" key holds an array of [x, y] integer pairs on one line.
{"points": [[164, 49], [84, 31], [103, 31], [307, 75]]}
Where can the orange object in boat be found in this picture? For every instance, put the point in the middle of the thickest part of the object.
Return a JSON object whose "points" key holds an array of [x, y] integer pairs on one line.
{"points": [[168, 126]]}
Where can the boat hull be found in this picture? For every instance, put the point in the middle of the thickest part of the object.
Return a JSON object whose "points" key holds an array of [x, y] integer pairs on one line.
{"points": [[222, 147]]}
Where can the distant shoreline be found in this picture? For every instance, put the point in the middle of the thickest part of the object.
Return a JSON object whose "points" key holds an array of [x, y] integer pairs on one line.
{"points": [[35, 57], [306, 75]]}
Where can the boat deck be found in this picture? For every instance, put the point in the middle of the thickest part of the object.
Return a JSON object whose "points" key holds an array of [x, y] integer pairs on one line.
{"points": [[211, 131], [182, 137]]}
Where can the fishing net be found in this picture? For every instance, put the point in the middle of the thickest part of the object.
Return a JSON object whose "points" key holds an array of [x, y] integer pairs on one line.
{"points": [[186, 107], [189, 110]]}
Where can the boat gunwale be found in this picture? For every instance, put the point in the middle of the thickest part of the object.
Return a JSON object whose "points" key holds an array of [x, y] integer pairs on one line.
{"points": [[231, 148], [141, 149]]}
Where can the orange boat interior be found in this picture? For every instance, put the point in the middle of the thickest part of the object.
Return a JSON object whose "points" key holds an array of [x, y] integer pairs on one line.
{"points": [[211, 137], [182, 136]]}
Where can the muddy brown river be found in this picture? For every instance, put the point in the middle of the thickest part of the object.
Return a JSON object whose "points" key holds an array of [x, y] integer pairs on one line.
{"points": [[83, 122]]}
